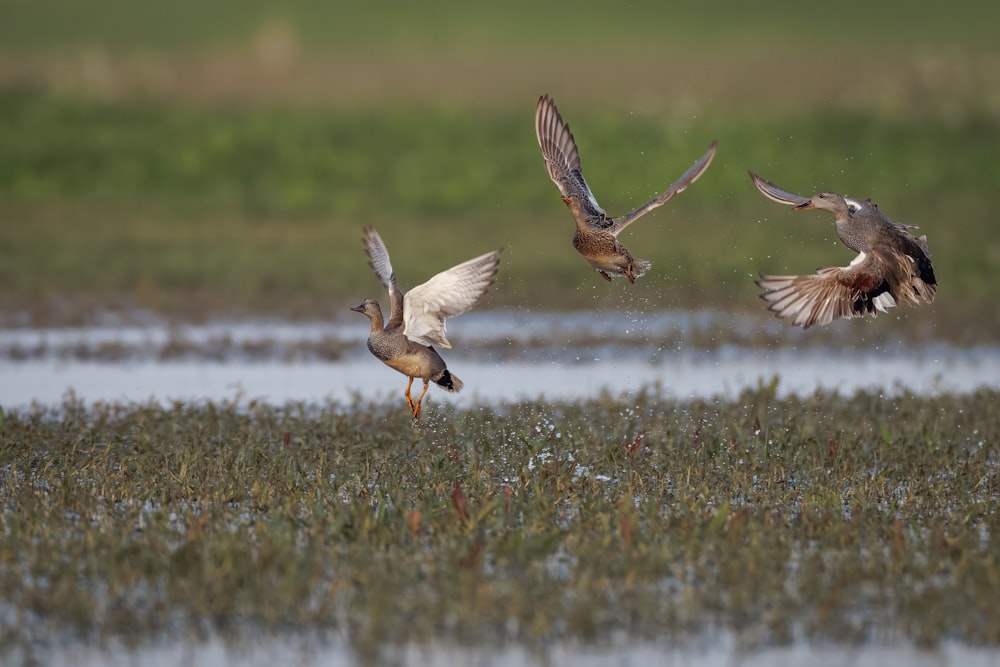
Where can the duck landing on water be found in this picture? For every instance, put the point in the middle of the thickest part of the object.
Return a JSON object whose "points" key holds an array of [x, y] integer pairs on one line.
{"points": [[892, 265]]}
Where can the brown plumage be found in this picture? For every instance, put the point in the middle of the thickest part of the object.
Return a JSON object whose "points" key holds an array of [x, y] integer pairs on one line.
{"points": [[417, 320], [596, 236], [892, 266]]}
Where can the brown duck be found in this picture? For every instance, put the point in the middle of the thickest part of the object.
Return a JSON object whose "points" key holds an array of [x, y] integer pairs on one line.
{"points": [[596, 236], [892, 266], [417, 320]]}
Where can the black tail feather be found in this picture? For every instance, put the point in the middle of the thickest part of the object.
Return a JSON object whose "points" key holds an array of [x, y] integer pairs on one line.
{"points": [[448, 381]]}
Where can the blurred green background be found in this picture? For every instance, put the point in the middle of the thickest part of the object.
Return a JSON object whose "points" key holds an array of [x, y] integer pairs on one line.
{"points": [[220, 159]]}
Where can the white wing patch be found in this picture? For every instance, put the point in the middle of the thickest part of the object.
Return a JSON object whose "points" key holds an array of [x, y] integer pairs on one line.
{"points": [[448, 294], [884, 301]]}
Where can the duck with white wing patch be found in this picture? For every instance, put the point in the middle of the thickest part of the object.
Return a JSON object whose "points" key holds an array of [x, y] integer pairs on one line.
{"points": [[417, 319]]}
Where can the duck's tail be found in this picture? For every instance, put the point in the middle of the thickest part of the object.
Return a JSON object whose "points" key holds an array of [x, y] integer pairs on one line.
{"points": [[448, 382], [640, 266]]}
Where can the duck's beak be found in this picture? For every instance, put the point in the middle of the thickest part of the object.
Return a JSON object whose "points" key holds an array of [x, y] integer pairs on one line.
{"points": [[804, 207], [360, 308]]}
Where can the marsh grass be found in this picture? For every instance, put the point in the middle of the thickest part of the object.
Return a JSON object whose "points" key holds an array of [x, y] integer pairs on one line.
{"points": [[821, 518]]}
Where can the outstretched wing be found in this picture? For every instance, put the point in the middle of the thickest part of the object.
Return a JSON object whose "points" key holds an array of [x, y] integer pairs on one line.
{"points": [[863, 287], [378, 259], [562, 158], [448, 294], [679, 186], [774, 193]]}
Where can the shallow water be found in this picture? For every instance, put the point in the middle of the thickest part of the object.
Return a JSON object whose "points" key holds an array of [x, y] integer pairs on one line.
{"points": [[48, 381], [722, 653], [501, 358]]}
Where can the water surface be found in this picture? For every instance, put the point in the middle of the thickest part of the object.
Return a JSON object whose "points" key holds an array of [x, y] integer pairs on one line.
{"points": [[501, 357]]}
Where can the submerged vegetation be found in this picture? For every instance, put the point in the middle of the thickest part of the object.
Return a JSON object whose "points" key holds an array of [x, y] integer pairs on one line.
{"points": [[828, 518]]}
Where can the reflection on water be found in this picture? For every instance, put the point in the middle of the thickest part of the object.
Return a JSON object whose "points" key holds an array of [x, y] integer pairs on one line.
{"points": [[501, 357]]}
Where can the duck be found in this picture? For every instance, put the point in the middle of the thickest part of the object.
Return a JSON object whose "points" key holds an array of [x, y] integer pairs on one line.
{"points": [[596, 236], [892, 266], [417, 319]]}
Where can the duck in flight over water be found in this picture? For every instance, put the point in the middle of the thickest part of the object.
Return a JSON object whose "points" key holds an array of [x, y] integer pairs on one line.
{"points": [[596, 236], [417, 319], [892, 265]]}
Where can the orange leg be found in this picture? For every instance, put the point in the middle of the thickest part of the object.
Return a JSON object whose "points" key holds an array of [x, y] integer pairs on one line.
{"points": [[606, 276], [628, 273], [416, 413], [409, 399]]}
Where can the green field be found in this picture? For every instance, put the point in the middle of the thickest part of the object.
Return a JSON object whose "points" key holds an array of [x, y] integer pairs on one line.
{"points": [[449, 24], [219, 163]]}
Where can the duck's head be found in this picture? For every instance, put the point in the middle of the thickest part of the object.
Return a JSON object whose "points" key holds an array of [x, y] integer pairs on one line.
{"points": [[572, 203], [828, 201], [368, 307]]}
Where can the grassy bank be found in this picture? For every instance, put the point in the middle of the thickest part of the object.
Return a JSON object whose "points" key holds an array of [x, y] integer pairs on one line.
{"points": [[845, 519]]}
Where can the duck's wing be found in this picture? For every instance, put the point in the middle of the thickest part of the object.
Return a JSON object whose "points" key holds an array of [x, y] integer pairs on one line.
{"points": [[774, 193], [378, 259], [863, 287], [871, 208], [448, 294], [562, 160], [909, 268], [681, 184]]}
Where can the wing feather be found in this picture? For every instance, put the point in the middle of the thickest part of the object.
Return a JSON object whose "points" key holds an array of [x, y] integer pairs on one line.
{"points": [[447, 294], [378, 259], [562, 157], [679, 186], [774, 193], [829, 294]]}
